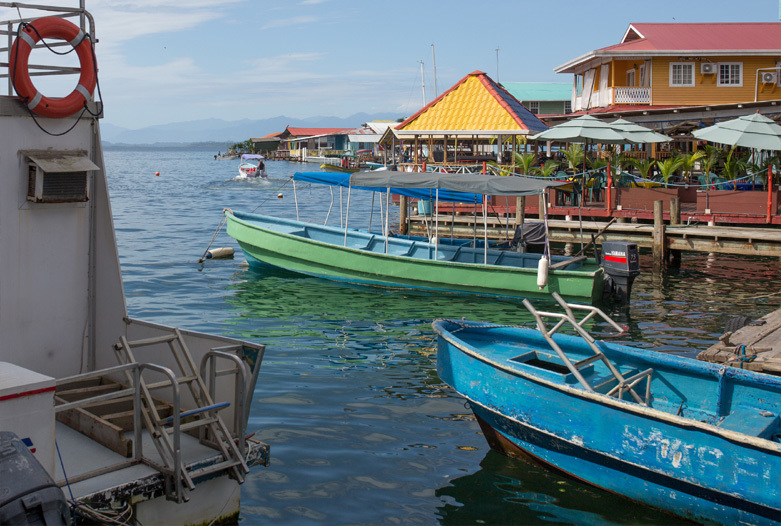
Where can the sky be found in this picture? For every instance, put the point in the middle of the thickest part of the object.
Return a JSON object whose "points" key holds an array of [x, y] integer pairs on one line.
{"points": [[163, 61]]}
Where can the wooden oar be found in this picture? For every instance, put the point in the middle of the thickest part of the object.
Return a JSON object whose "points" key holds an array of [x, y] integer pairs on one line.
{"points": [[593, 238]]}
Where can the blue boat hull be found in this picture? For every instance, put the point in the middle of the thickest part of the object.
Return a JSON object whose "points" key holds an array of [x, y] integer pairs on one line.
{"points": [[692, 468]]}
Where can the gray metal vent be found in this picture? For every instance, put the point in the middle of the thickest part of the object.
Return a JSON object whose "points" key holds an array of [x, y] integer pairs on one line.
{"points": [[58, 178]]}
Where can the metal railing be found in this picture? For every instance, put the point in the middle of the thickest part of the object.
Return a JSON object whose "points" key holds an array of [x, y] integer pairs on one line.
{"points": [[623, 385], [8, 28]]}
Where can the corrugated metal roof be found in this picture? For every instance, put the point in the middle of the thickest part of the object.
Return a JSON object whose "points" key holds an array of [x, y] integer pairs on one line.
{"points": [[764, 36], [539, 90], [474, 103], [669, 39]]}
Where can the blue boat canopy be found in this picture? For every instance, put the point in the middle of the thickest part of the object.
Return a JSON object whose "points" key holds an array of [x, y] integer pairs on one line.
{"points": [[343, 179], [251, 156]]}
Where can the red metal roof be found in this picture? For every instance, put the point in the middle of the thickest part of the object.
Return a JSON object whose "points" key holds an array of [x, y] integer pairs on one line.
{"points": [[306, 132], [759, 36]]}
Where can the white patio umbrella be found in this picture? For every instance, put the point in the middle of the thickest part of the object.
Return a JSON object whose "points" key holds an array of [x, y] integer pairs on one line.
{"points": [[750, 131]]}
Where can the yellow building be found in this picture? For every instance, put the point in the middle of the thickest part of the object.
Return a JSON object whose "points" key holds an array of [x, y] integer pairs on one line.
{"points": [[670, 72]]}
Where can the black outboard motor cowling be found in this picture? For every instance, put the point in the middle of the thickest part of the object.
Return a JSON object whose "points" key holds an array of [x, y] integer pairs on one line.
{"points": [[621, 261]]}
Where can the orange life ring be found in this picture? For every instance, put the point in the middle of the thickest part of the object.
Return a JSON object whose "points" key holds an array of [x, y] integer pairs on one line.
{"points": [[18, 66]]}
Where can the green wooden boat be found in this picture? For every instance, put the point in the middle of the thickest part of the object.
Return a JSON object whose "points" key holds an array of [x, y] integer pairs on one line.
{"points": [[359, 256], [372, 259]]}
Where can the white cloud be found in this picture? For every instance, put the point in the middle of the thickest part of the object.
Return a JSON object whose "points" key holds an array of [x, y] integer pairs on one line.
{"points": [[287, 22]]}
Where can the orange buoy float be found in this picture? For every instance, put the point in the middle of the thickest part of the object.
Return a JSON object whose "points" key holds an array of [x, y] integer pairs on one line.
{"points": [[157, 174], [18, 66]]}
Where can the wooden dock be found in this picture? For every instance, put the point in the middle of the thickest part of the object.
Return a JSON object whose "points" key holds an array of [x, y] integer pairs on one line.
{"points": [[756, 347], [751, 241]]}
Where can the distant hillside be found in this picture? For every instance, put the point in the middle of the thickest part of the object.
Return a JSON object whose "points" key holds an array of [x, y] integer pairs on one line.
{"points": [[221, 132]]}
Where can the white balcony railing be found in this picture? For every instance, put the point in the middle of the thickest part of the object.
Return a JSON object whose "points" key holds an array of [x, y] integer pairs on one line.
{"points": [[632, 95]]}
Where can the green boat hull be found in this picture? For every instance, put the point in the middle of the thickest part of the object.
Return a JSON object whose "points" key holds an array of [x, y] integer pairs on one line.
{"points": [[279, 243]]}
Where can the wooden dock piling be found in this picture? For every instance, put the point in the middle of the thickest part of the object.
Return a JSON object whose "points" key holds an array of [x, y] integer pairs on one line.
{"points": [[659, 248]]}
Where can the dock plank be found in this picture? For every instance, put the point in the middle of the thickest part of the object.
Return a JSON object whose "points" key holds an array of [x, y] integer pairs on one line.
{"points": [[756, 347]]}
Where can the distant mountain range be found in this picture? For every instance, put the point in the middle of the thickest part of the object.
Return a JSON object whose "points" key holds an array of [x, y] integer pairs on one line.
{"points": [[222, 132]]}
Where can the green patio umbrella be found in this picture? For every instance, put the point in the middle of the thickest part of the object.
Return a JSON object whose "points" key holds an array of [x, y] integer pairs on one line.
{"points": [[581, 129], [750, 131], [636, 133]]}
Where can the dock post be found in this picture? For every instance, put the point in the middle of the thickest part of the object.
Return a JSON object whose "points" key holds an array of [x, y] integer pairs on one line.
{"points": [[520, 210], [541, 205], [403, 215], [659, 244], [769, 194], [675, 219]]}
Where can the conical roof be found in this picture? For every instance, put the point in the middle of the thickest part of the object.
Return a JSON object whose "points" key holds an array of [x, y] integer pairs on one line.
{"points": [[474, 104]]}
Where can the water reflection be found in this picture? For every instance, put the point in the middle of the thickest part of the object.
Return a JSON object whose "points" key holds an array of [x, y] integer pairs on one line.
{"points": [[517, 492]]}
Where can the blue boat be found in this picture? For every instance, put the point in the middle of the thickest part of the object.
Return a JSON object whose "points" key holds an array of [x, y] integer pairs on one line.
{"points": [[693, 438]]}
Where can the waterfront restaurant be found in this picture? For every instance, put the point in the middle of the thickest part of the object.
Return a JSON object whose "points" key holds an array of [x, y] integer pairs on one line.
{"points": [[473, 122]]}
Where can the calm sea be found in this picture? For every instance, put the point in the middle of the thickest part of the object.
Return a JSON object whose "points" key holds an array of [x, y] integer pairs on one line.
{"points": [[362, 431]]}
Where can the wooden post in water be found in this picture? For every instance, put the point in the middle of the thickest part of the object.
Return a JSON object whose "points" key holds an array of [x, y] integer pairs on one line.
{"points": [[675, 219], [659, 248], [403, 215]]}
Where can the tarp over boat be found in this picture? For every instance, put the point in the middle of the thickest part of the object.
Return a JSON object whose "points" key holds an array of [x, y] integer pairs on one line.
{"points": [[467, 183], [459, 188]]}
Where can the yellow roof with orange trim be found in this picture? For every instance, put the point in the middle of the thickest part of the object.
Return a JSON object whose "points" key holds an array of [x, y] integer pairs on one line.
{"points": [[475, 105]]}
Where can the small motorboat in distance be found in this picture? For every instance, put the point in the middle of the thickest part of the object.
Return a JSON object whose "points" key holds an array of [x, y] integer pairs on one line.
{"points": [[696, 439], [252, 165]]}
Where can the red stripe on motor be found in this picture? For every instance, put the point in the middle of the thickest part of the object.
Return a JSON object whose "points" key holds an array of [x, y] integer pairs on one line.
{"points": [[615, 259]]}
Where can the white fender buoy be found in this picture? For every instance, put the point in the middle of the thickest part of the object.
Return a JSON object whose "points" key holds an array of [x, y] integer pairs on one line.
{"points": [[280, 196], [542, 272], [219, 253]]}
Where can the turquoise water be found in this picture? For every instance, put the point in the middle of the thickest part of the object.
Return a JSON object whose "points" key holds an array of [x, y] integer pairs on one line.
{"points": [[361, 429]]}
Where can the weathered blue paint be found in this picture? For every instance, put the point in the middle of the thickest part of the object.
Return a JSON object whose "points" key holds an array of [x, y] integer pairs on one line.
{"points": [[708, 446]]}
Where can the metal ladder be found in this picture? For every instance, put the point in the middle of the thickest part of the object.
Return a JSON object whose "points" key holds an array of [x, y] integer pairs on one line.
{"points": [[624, 385], [166, 431]]}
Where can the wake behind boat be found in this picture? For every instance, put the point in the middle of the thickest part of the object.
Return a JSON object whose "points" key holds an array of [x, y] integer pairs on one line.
{"points": [[693, 438], [252, 165], [360, 256]]}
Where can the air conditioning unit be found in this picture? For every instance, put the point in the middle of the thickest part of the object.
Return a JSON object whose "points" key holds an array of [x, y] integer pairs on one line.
{"points": [[707, 68], [53, 178], [769, 77]]}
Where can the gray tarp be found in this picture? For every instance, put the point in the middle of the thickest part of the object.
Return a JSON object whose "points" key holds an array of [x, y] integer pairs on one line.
{"points": [[467, 183]]}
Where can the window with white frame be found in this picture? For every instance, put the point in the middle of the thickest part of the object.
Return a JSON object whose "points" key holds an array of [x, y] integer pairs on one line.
{"points": [[730, 74], [630, 77], [534, 106], [681, 74], [567, 106]]}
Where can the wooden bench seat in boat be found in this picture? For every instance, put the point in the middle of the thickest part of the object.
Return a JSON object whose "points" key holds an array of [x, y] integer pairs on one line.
{"points": [[753, 422]]}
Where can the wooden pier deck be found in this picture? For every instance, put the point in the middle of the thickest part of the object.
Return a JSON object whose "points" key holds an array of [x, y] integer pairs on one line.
{"points": [[756, 347], [753, 241]]}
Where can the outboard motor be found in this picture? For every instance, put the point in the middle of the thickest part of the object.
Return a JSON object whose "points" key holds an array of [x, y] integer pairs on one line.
{"points": [[28, 495], [621, 261]]}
